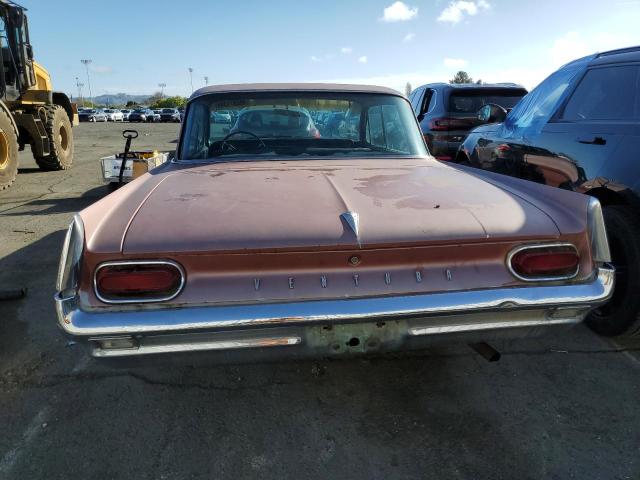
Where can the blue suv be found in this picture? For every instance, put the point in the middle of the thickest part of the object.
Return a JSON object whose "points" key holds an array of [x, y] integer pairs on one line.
{"points": [[580, 130]]}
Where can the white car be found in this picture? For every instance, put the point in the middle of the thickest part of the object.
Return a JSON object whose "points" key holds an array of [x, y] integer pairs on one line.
{"points": [[114, 115], [125, 113], [221, 116]]}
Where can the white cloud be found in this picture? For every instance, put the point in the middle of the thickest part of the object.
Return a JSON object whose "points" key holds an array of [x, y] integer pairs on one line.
{"points": [[456, 10], [569, 47], [455, 62], [573, 45], [409, 37], [399, 12], [363, 59], [346, 50], [323, 58]]}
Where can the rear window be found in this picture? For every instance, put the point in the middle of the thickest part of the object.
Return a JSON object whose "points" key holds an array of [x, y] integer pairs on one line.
{"points": [[267, 125], [466, 101]]}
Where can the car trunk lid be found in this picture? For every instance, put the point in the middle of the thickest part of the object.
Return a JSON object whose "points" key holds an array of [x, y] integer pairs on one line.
{"points": [[294, 206]]}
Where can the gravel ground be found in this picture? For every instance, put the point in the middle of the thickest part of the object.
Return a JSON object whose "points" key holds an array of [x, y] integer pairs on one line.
{"points": [[557, 407]]}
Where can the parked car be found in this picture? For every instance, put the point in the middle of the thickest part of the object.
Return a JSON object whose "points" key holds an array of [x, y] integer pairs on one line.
{"points": [[125, 114], [142, 115], [154, 116], [447, 112], [580, 130], [169, 115], [222, 116], [114, 115], [92, 115], [270, 122], [252, 247]]}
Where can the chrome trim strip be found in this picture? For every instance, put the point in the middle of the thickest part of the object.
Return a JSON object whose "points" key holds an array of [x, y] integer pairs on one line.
{"points": [[536, 246], [78, 224], [81, 323], [478, 327], [597, 231], [240, 343], [353, 220], [139, 262]]}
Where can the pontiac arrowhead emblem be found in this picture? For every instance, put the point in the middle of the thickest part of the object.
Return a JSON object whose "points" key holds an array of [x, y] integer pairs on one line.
{"points": [[352, 220]]}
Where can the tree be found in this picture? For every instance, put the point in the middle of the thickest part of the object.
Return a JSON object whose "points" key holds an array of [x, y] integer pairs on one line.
{"points": [[170, 102], [461, 77], [408, 89], [479, 81], [155, 98]]}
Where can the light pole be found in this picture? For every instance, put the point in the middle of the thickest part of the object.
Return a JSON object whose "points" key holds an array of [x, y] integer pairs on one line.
{"points": [[80, 85], [162, 85], [86, 63], [206, 81], [191, 78]]}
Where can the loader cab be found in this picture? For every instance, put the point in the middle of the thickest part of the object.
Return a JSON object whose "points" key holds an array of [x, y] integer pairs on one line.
{"points": [[17, 73]]}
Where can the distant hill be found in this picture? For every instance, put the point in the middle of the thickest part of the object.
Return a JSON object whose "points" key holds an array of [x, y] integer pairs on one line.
{"points": [[119, 99]]}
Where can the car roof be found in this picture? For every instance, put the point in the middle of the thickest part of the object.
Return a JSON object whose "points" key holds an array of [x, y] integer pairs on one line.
{"points": [[462, 86], [294, 87], [619, 55]]}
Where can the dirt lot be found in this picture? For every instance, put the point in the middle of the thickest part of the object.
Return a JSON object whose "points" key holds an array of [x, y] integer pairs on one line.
{"points": [[559, 407]]}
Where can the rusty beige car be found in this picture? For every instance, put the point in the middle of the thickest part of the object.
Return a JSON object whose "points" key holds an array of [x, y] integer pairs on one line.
{"points": [[269, 238]]}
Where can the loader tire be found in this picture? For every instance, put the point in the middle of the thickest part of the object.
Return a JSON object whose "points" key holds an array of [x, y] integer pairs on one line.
{"points": [[8, 151], [60, 140]]}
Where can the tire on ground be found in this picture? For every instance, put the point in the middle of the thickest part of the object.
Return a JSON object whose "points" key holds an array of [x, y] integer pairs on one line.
{"points": [[621, 315], [8, 151], [60, 140]]}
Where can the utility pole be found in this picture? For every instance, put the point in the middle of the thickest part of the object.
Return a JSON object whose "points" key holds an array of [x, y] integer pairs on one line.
{"points": [[86, 63], [162, 85], [206, 81], [191, 78], [80, 85]]}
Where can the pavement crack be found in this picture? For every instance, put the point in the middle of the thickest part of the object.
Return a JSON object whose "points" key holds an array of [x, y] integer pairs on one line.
{"points": [[51, 381]]}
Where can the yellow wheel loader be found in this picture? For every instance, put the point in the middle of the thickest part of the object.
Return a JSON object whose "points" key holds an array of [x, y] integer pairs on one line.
{"points": [[30, 111]]}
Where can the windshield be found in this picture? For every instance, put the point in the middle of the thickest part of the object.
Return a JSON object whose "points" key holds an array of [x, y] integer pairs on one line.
{"points": [[299, 124], [140, 110], [168, 110]]}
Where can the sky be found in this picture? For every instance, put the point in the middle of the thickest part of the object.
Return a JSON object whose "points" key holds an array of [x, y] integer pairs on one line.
{"points": [[135, 45]]}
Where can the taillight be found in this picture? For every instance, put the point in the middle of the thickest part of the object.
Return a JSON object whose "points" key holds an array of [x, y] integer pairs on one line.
{"points": [[138, 281], [442, 124], [544, 262]]}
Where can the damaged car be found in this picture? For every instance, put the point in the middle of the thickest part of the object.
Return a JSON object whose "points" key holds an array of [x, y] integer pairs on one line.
{"points": [[265, 241]]}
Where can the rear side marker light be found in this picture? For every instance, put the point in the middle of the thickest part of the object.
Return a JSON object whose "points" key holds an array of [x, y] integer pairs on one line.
{"points": [[138, 281], [544, 262]]}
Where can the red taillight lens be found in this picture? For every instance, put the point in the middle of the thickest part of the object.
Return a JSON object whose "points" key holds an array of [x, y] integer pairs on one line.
{"points": [[442, 124], [138, 281], [551, 263]]}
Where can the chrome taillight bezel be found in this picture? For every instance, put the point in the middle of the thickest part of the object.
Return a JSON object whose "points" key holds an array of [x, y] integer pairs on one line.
{"points": [[541, 246], [68, 278], [600, 251], [138, 262]]}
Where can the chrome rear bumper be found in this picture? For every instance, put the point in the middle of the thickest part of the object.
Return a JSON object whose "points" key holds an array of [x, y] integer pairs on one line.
{"points": [[335, 326]]}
